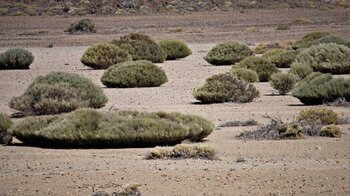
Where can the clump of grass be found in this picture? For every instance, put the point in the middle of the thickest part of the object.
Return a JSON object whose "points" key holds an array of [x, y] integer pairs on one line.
{"points": [[261, 66], [17, 58], [332, 39], [176, 30], [263, 47], [175, 49], [183, 151], [280, 57], [330, 131], [308, 39], [318, 115], [236, 123], [247, 75], [301, 21], [283, 27], [300, 70], [283, 82], [250, 29], [82, 26]]}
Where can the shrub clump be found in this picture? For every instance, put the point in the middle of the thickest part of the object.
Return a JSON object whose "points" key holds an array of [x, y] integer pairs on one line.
{"points": [[182, 151], [5, 124], [228, 53], [17, 58], [141, 47], [91, 128], [317, 115], [326, 58], [225, 88], [281, 58], [308, 39], [175, 49], [82, 26], [283, 82], [235, 123], [332, 39], [330, 131], [134, 74], [59, 92], [261, 66], [102, 56], [247, 75], [300, 70]]}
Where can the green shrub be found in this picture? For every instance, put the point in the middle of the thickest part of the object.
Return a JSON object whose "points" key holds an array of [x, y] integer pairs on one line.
{"points": [[228, 53], [141, 47], [283, 82], [91, 128], [326, 58], [332, 39], [300, 70], [330, 131], [59, 92], [5, 122], [281, 58], [261, 66], [308, 39], [175, 49], [291, 131], [82, 26], [102, 56], [182, 151], [225, 88], [318, 88], [17, 58], [134, 74], [247, 75], [318, 116]]}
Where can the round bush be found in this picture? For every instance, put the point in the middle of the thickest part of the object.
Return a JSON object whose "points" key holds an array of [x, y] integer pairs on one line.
{"points": [[261, 66], [326, 58], [225, 88], [247, 75], [281, 58], [134, 74], [300, 70], [175, 49], [332, 39], [101, 56], [17, 58], [308, 39], [59, 92], [141, 47], [82, 26], [330, 131], [318, 116], [282, 82], [91, 128], [228, 53]]}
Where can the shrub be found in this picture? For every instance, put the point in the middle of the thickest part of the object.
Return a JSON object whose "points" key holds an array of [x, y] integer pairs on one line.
{"points": [[318, 116], [102, 56], [59, 92], [247, 75], [183, 151], [228, 53], [261, 66], [319, 88], [82, 26], [332, 39], [235, 123], [225, 88], [330, 131], [263, 47], [283, 27], [308, 39], [326, 58], [300, 70], [91, 128], [134, 74], [5, 124], [16, 59], [175, 49], [283, 82], [281, 58], [141, 47]]}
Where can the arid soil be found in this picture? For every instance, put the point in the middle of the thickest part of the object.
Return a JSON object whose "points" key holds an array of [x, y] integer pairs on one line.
{"points": [[311, 166]]}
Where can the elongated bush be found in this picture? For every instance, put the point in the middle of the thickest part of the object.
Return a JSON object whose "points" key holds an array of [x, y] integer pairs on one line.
{"points": [[261, 66], [102, 56], [318, 88], [82, 26], [134, 74], [318, 115], [247, 75], [225, 88], [91, 128], [283, 82], [332, 39], [326, 58], [17, 58], [300, 70], [175, 49], [281, 58], [59, 92], [141, 47], [228, 53], [308, 39]]}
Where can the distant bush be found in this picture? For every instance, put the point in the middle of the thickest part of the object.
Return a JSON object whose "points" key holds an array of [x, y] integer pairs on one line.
{"points": [[175, 49], [332, 39], [82, 26], [5, 124], [261, 66], [247, 75], [308, 39], [263, 47], [330, 131], [59, 92], [16, 59], [283, 82], [326, 58], [91, 128], [182, 151], [225, 88], [318, 115], [281, 58], [102, 56], [141, 47], [283, 27], [228, 53], [300, 70], [134, 74]]}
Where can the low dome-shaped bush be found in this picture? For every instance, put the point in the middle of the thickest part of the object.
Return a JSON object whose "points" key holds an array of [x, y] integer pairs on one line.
{"points": [[91, 128], [228, 53], [318, 115], [134, 74], [300, 70], [141, 47], [101, 56], [308, 39], [175, 49], [225, 88], [82, 26], [318, 88], [283, 82], [330, 131], [332, 39], [261, 66], [281, 58], [247, 75], [326, 58], [59, 92], [17, 58]]}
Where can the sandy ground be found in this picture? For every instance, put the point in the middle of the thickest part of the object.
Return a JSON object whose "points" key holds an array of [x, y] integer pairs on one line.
{"points": [[311, 166]]}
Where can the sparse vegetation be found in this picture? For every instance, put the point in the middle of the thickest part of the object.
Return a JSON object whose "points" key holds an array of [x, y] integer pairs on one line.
{"points": [[261, 66], [17, 58], [175, 49], [283, 82], [330, 131], [300, 70], [318, 115], [281, 58], [82, 26], [235, 123], [247, 75], [183, 151], [308, 39]]}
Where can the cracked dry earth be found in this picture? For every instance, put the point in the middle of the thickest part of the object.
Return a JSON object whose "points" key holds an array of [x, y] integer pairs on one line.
{"points": [[312, 166]]}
